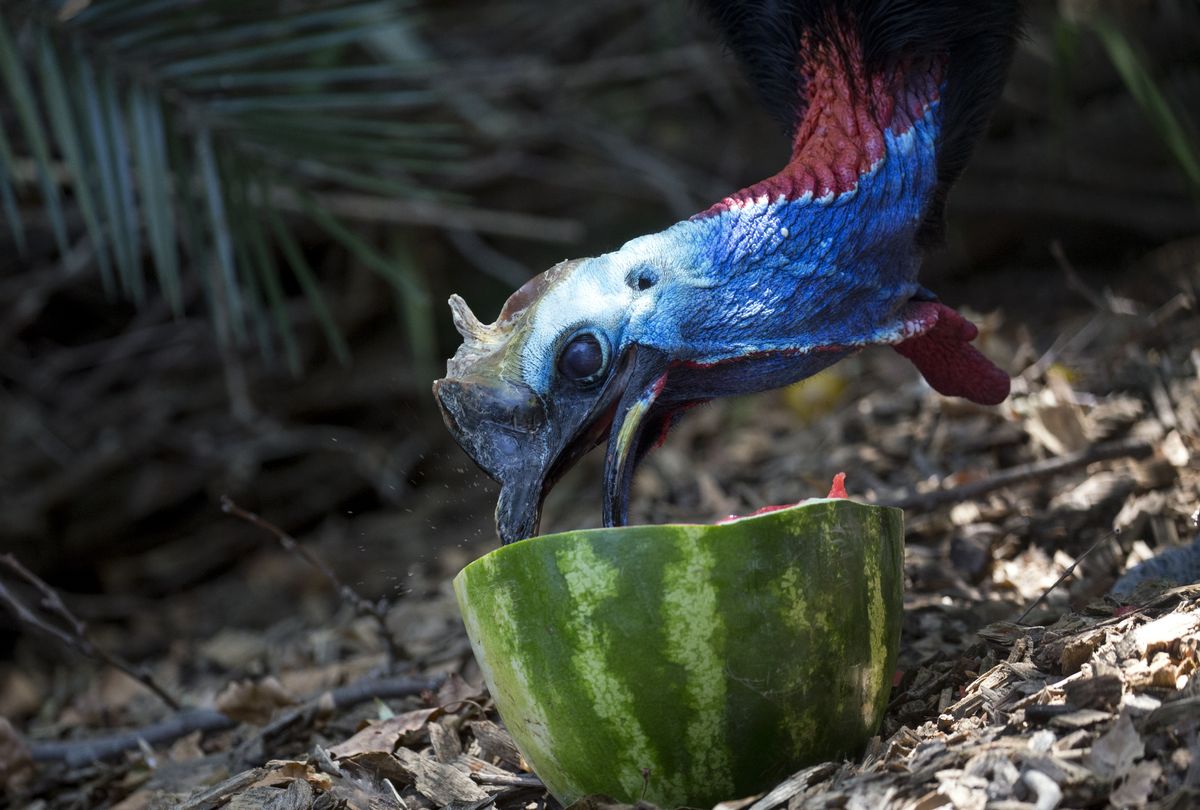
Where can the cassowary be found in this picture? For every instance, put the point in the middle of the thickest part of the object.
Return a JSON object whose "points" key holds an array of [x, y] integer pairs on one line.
{"points": [[883, 101]]}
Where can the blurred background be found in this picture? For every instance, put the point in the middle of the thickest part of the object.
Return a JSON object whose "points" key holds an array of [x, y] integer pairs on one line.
{"points": [[229, 230]]}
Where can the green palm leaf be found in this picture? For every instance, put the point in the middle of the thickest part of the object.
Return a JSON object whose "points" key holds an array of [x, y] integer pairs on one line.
{"points": [[1145, 90], [167, 127]]}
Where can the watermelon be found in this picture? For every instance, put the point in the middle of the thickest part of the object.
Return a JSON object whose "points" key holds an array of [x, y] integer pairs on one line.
{"points": [[689, 664]]}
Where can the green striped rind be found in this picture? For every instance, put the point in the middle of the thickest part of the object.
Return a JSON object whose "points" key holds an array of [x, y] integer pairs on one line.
{"points": [[717, 659]]}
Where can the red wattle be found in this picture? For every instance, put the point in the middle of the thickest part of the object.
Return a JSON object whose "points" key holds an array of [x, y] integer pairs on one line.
{"points": [[939, 346]]}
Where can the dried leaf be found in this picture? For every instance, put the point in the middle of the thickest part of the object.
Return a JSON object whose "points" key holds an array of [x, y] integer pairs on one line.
{"points": [[455, 691], [252, 701], [1113, 755], [186, 748], [380, 765], [1138, 785], [1058, 426], [288, 770], [234, 650], [385, 735]]}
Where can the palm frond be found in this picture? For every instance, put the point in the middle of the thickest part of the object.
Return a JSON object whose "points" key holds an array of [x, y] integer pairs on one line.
{"points": [[20, 88], [1128, 59], [181, 124], [1146, 91]]}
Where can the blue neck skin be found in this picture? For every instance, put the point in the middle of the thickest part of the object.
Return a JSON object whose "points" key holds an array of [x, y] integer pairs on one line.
{"points": [[771, 292]]}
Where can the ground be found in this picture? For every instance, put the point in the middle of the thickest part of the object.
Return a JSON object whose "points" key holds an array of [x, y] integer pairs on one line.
{"points": [[1022, 682]]}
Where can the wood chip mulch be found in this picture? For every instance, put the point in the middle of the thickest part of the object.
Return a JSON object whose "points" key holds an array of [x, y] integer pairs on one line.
{"points": [[1023, 682]]}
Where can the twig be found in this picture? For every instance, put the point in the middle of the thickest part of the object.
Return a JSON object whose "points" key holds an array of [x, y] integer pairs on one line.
{"points": [[508, 780], [76, 753], [252, 750], [1074, 281], [75, 636], [1034, 471], [1070, 570], [1075, 342], [363, 607], [396, 797]]}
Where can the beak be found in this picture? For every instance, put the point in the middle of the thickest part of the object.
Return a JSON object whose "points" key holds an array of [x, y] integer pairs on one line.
{"points": [[646, 378], [503, 426], [526, 444]]}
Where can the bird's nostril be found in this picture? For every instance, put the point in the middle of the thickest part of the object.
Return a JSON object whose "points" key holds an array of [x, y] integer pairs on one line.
{"points": [[526, 420], [473, 404]]}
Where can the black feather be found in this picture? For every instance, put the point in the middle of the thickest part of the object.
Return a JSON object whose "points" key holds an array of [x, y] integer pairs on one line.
{"points": [[977, 39]]}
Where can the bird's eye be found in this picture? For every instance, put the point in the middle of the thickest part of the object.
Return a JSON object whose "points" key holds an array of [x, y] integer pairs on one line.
{"points": [[582, 359]]}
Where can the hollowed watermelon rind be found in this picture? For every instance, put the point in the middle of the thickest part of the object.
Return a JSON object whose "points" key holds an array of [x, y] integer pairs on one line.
{"points": [[689, 664]]}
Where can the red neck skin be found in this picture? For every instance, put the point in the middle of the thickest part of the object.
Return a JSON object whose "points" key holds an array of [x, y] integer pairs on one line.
{"points": [[843, 115]]}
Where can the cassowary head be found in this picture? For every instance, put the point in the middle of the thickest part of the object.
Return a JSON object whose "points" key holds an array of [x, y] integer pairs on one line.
{"points": [[573, 356], [766, 287]]}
